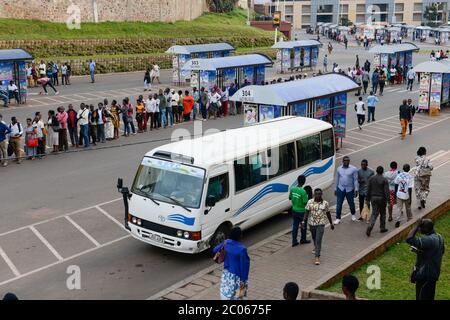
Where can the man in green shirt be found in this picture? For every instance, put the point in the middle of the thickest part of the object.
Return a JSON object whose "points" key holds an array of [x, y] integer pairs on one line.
{"points": [[299, 198]]}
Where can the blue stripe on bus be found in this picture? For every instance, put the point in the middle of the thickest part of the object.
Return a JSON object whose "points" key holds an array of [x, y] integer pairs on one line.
{"points": [[182, 219], [279, 187]]}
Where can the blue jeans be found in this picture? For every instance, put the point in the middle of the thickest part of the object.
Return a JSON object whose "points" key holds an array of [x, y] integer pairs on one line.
{"points": [[92, 72], [341, 195], [5, 99], [203, 111], [85, 134], [126, 126], [297, 218], [169, 116], [163, 117]]}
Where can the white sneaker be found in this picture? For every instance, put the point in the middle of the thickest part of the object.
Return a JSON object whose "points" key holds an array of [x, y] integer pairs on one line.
{"points": [[337, 221], [354, 218], [56, 93]]}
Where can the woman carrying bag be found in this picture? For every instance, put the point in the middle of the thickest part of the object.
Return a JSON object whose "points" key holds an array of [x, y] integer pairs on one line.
{"points": [[31, 140], [233, 253]]}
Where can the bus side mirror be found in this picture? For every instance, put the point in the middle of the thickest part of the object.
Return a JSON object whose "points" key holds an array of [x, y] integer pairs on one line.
{"points": [[119, 184], [211, 201]]}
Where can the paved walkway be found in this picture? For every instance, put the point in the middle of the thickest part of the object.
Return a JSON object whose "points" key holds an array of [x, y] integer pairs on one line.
{"points": [[274, 262]]}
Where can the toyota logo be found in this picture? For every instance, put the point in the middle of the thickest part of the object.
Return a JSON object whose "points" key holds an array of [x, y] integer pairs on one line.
{"points": [[161, 218]]}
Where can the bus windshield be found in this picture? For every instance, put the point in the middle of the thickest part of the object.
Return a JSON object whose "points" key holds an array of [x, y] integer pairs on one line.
{"points": [[161, 180]]}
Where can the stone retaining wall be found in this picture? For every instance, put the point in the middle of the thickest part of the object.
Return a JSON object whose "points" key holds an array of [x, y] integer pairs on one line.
{"points": [[103, 10]]}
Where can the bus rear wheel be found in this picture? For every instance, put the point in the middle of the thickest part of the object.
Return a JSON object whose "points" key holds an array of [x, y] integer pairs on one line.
{"points": [[219, 236]]}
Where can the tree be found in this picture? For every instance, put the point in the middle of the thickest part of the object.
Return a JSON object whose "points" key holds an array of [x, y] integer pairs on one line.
{"points": [[221, 6], [346, 22], [431, 14]]}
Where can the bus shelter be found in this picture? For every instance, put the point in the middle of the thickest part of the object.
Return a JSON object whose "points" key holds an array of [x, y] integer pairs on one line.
{"points": [[407, 32], [422, 33], [440, 35], [222, 72], [182, 54], [394, 54], [393, 34], [434, 86], [324, 28], [322, 97], [13, 68], [296, 55]]}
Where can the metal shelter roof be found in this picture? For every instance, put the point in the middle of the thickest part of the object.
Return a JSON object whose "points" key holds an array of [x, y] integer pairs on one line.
{"points": [[14, 54], [282, 94], [441, 66], [196, 48], [423, 28], [394, 48], [296, 44], [227, 62]]}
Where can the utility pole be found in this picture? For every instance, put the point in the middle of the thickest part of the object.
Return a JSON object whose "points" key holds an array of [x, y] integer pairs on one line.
{"points": [[95, 10]]}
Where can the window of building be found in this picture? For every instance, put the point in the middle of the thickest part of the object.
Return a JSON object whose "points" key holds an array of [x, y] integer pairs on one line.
{"points": [[306, 19], [219, 187], [327, 144], [306, 9], [361, 8], [360, 18], [418, 6], [399, 7], [249, 171], [282, 159], [398, 17], [344, 8], [308, 150], [417, 17]]}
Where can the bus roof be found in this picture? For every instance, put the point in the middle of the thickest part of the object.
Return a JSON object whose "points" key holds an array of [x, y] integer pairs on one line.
{"points": [[217, 148]]}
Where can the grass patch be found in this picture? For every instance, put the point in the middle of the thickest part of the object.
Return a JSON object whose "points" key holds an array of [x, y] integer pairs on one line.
{"points": [[395, 265], [207, 25]]}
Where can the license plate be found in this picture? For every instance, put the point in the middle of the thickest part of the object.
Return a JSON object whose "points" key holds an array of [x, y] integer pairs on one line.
{"points": [[156, 238]]}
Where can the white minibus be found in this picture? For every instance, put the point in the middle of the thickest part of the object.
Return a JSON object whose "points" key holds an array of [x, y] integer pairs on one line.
{"points": [[187, 195]]}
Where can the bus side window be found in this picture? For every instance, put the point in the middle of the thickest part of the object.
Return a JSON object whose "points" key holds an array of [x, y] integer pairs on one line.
{"points": [[219, 187], [327, 144]]}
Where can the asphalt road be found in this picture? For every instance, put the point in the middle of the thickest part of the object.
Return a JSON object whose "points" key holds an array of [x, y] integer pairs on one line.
{"points": [[63, 210]]}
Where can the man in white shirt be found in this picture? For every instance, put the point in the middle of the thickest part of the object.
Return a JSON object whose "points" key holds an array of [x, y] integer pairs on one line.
{"points": [[42, 69], [13, 91], [38, 124], [411, 75], [83, 121], [360, 112], [404, 183], [14, 137], [64, 74]]}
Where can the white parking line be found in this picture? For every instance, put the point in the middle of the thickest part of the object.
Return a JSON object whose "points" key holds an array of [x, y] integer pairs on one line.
{"points": [[9, 263], [358, 145], [87, 235], [47, 244], [375, 131], [54, 218], [387, 125], [366, 135], [110, 217]]}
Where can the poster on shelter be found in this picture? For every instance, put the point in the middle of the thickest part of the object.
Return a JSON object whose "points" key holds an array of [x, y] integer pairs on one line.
{"points": [[285, 59], [297, 57], [184, 74], [6, 72], [226, 53], [446, 88], [435, 95], [299, 109], [307, 57], [314, 55], [424, 91], [250, 114], [229, 76], [401, 59], [175, 70], [266, 112], [202, 55], [376, 60], [278, 62], [217, 54], [247, 74], [322, 110], [384, 59], [408, 58], [23, 83], [277, 110], [393, 59], [339, 114], [260, 74], [205, 78]]}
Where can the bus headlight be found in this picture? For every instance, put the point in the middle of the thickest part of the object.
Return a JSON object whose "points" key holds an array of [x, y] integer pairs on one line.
{"points": [[179, 234], [139, 222], [186, 235], [134, 220]]}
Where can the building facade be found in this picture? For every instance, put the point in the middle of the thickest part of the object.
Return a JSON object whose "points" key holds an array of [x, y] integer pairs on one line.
{"points": [[305, 13]]}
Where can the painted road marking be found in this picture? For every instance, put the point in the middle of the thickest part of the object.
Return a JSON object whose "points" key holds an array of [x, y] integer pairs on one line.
{"points": [[111, 218], [375, 131], [9, 263], [358, 145], [86, 234], [47, 244]]}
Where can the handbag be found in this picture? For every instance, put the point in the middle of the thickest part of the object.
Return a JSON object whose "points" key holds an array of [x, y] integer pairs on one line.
{"points": [[32, 143], [365, 212], [219, 257]]}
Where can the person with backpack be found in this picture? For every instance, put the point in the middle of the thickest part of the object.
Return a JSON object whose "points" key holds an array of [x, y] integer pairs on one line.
{"points": [[234, 281], [299, 199], [53, 127], [390, 176], [422, 178]]}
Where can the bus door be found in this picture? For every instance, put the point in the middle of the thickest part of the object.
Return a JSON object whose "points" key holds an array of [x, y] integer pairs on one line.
{"points": [[219, 187]]}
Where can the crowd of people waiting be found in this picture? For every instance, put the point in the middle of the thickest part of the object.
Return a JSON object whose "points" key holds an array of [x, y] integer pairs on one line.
{"points": [[91, 124]]}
